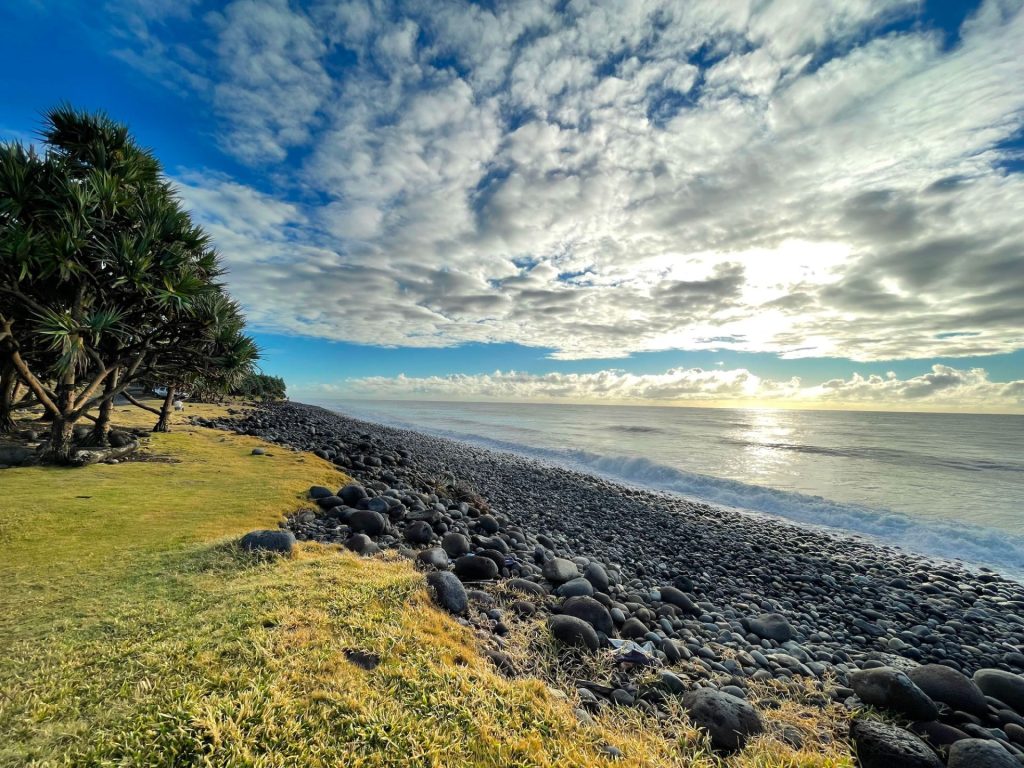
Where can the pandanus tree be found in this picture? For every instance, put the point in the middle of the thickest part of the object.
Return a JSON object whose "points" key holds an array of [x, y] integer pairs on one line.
{"points": [[100, 268]]}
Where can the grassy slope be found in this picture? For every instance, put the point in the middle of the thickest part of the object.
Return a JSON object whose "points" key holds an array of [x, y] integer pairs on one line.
{"points": [[132, 633]]}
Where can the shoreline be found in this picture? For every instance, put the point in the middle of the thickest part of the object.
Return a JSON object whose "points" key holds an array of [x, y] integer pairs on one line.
{"points": [[722, 601], [554, 497]]}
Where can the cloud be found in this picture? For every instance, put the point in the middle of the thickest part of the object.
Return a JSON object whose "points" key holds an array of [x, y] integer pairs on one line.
{"points": [[943, 387], [802, 178]]}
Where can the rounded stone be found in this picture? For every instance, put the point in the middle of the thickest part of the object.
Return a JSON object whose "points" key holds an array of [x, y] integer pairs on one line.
{"points": [[352, 493], [880, 745], [891, 689], [729, 721], [575, 588], [488, 524], [455, 544], [418, 532], [573, 632], [597, 575], [771, 626], [473, 568], [362, 544], [526, 586], [558, 570], [435, 557], [367, 521], [949, 686], [319, 492], [589, 610], [1002, 685], [271, 540], [979, 753], [679, 599], [447, 591]]}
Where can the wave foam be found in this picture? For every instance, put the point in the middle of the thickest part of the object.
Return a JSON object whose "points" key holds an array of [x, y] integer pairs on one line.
{"points": [[947, 540]]}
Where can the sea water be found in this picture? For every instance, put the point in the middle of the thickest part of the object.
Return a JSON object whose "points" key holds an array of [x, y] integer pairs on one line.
{"points": [[945, 485]]}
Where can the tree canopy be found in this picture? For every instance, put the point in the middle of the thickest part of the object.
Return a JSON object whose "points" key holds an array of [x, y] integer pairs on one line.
{"points": [[104, 278]]}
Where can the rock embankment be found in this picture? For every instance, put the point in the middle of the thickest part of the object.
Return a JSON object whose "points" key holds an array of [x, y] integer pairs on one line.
{"points": [[686, 600]]}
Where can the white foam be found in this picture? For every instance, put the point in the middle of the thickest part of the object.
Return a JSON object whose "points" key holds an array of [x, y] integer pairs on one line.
{"points": [[947, 540]]}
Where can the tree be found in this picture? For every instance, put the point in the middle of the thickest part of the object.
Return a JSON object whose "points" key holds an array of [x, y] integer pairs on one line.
{"points": [[99, 260], [259, 386]]}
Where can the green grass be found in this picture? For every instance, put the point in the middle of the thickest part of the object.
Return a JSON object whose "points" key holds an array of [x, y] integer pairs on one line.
{"points": [[133, 633]]}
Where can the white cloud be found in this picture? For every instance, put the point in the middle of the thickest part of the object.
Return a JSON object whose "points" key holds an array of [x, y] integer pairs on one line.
{"points": [[943, 387], [615, 178]]}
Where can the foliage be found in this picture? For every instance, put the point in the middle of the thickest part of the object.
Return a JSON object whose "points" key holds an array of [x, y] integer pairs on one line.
{"points": [[104, 278], [260, 386]]}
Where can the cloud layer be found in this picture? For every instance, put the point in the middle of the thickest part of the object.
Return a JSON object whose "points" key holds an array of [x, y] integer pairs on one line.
{"points": [[943, 387], [807, 178]]}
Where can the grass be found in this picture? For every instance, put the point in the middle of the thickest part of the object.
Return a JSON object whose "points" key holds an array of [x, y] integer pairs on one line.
{"points": [[133, 633]]}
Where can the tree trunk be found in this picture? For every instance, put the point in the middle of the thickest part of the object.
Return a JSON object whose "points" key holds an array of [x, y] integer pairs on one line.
{"points": [[8, 385], [60, 447], [101, 430], [164, 424]]}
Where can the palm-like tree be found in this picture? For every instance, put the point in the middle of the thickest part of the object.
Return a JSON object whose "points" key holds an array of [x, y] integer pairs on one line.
{"points": [[101, 269]]}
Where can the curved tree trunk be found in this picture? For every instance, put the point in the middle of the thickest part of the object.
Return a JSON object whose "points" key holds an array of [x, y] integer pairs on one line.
{"points": [[101, 430], [164, 423], [60, 447], [8, 385]]}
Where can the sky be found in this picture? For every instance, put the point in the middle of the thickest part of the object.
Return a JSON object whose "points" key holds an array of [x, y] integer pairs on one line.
{"points": [[773, 203]]}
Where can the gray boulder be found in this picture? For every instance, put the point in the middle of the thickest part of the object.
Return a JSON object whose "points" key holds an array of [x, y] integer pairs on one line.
{"points": [[418, 532], [473, 568], [273, 540], [949, 686], [435, 557], [729, 720], [891, 689], [979, 753], [771, 626], [598, 576], [1002, 685], [319, 492], [367, 521], [352, 493], [573, 632], [575, 588], [455, 544], [362, 544], [880, 745], [558, 570], [590, 611], [447, 591], [679, 599]]}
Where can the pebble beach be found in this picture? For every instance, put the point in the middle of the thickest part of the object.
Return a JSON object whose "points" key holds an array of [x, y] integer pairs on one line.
{"points": [[707, 600]]}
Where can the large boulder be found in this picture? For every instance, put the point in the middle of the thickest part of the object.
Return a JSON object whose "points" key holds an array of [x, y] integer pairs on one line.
{"points": [[352, 494], [949, 686], [362, 544], [1002, 685], [891, 689], [447, 591], [319, 492], [328, 502], [367, 521], [590, 611], [575, 588], [13, 455], [880, 745], [558, 570], [729, 720], [980, 753], [473, 568], [526, 586], [573, 632], [771, 626], [273, 540]]}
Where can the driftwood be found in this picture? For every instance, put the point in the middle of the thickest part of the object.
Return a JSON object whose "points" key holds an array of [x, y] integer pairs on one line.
{"points": [[88, 456]]}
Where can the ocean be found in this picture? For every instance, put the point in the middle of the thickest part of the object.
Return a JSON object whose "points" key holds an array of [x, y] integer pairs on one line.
{"points": [[950, 486]]}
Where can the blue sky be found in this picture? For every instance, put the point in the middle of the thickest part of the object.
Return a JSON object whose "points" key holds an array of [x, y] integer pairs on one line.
{"points": [[796, 203]]}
